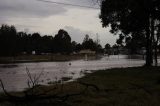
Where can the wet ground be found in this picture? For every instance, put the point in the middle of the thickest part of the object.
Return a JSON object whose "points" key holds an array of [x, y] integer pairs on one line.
{"points": [[14, 76]]}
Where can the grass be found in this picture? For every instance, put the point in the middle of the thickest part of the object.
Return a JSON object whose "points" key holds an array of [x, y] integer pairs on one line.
{"points": [[123, 87], [139, 86]]}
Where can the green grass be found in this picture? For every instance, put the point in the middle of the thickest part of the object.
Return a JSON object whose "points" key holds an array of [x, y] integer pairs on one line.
{"points": [[139, 86]]}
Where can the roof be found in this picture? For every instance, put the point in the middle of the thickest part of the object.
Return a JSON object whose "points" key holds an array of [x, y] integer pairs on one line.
{"points": [[87, 51]]}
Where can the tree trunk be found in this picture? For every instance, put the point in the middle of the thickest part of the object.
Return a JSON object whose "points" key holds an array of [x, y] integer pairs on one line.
{"points": [[155, 48], [149, 57], [155, 54], [153, 39]]}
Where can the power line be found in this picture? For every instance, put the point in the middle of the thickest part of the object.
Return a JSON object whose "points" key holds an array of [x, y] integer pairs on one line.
{"points": [[75, 5]]}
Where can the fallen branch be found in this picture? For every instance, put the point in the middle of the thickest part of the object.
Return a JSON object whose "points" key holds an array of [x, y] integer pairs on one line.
{"points": [[37, 97]]}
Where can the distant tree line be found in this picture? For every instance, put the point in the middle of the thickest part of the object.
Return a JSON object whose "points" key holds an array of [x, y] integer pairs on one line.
{"points": [[13, 43]]}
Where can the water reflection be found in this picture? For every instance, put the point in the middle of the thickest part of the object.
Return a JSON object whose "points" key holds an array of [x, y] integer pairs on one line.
{"points": [[15, 78]]}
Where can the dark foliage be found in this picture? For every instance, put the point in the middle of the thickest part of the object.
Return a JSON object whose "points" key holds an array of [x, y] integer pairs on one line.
{"points": [[88, 43], [62, 42], [130, 17], [13, 43]]}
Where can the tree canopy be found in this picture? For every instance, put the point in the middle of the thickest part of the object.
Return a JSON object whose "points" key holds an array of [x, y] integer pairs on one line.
{"points": [[8, 40], [13, 43], [129, 17], [62, 42], [88, 43]]}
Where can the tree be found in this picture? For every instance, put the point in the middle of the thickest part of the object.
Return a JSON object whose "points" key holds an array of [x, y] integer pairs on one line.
{"points": [[132, 16], [107, 48], [74, 44], [120, 41], [24, 44], [46, 44], [78, 47], [99, 48], [115, 49], [8, 40], [88, 43], [62, 42], [133, 43], [156, 41], [36, 42], [86, 38]]}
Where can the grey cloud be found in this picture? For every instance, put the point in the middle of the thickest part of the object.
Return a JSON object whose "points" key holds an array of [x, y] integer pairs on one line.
{"points": [[88, 3], [27, 9], [78, 35], [37, 8], [10, 9], [82, 2]]}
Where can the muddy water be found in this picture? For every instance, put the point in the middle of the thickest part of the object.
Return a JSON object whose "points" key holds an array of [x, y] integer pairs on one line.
{"points": [[14, 76]]}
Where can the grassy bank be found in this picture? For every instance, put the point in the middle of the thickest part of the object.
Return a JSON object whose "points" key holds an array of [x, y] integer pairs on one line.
{"points": [[43, 58], [116, 87]]}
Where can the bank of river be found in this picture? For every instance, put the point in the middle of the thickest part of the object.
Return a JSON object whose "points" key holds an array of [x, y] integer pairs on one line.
{"points": [[44, 58]]}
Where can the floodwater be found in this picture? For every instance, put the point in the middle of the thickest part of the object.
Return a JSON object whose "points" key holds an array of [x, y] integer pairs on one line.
{"points": [[14, 76]]}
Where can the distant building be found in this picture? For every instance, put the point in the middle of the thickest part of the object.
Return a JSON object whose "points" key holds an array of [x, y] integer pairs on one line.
{"points": [[87, 51], [33, 52]]}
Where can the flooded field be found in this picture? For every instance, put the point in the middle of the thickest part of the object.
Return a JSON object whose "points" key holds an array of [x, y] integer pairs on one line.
{"points": [[14, 76]]}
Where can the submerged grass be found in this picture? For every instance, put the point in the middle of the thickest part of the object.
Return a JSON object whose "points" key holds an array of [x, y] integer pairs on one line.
{"points": [[139, 86]]}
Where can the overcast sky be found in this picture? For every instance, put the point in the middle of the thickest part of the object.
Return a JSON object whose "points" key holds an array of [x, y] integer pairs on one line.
{"points": [[47, 18]]}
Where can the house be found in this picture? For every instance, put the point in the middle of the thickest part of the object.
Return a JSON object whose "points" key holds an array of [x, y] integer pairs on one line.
{"points": [[88, 52]]}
